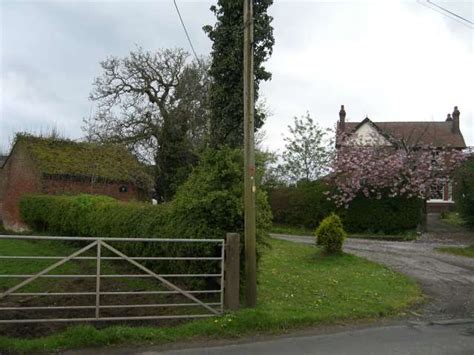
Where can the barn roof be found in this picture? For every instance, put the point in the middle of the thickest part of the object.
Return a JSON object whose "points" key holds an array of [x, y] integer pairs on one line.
{"points": [[63, 157], [438, 134]]}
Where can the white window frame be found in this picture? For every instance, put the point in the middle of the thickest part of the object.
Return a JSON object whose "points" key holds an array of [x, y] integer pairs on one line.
{"points": [[450, 194]]}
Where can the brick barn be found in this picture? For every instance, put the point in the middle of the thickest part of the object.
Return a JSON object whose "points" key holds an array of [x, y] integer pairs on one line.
{"points": [[60, 166]]}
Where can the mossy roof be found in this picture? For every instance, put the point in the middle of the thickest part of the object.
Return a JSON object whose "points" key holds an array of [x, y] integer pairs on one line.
{"points": [[110, 162]]}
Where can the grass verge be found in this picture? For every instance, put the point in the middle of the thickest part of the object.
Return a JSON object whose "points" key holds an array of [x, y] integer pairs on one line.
{"points": [[302, 231], [291, 230], [453, 218], [298, 287], [460, 251]]}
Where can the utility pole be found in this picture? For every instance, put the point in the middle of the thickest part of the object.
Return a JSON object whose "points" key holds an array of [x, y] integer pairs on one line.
{"points": [[249, 160]]}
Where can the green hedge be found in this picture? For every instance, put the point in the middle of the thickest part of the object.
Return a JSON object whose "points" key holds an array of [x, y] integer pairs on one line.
{"points": [[306, 205], [387, 215], [464, 192], [303, 205], [208, 205]]}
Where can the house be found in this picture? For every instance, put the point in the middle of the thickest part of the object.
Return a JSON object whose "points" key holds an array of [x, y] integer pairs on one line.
{"points": [[438, 134], [61, 166]]}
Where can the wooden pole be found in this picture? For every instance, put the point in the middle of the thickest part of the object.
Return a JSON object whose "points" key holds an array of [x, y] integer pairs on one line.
{"points": [[232, 272], [249, 160]]}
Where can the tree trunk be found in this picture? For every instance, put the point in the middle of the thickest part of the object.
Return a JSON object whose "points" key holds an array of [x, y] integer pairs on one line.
{"points": [[423, 226]]}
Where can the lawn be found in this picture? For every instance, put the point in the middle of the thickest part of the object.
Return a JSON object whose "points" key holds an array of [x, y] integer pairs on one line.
{"points": [[461, 251], [302, 231], [298, 287]]}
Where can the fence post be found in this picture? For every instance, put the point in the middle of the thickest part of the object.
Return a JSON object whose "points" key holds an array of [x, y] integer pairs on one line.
{"points": [[232, 272]]}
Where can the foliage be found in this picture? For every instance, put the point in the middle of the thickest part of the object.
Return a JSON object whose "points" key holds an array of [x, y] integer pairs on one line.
{"points": [[208, 205], [110, 162], [304, 204], [386, 215], [375, 170], [464, 192], [461, 251], [453, 218], [298, 288], [226, 88], [308, 151], [155, 103], [330, 234]]}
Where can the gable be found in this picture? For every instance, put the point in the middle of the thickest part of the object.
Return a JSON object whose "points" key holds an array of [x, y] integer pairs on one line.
{"points": [[366, 134]]}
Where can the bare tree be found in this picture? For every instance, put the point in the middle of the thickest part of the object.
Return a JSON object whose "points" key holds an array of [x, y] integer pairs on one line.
{"points": [[155, 103]]}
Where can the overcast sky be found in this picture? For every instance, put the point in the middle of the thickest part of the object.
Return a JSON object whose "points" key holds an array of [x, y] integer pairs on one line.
{"points": [[390, 60]]}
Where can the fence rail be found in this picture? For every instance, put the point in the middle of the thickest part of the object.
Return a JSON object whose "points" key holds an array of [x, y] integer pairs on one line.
{"points": [[100, 245]]}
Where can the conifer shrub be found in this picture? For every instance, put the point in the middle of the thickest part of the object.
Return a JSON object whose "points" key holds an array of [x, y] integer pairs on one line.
{"points": [[330, 234]]}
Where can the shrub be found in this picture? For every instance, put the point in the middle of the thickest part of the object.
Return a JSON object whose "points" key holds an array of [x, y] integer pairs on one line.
{"points": [[208, 205], [330, 234], [464, 192]]}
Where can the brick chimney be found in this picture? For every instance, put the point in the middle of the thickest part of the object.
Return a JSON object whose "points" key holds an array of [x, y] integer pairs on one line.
{"points": [[456, 114], [449, 118], [342, 119]]}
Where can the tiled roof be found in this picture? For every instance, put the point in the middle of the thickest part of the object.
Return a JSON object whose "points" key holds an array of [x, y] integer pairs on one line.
{"points": [[438, 134]]}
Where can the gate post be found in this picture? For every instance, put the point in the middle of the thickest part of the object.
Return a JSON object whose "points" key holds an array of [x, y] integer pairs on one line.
{"points": [[232, 272]]}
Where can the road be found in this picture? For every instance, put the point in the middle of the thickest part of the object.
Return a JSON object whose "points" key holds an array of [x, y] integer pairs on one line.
{"points": [[413, 340]]}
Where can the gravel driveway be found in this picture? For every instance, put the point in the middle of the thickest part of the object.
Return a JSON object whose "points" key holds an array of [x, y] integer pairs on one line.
{"points": [[447, 280]]}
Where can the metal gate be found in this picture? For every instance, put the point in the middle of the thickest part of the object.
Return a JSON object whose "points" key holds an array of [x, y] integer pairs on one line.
{"points": [[101, 246]]}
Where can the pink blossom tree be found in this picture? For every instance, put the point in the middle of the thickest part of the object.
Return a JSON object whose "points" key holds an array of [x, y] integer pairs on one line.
{"points": [[388, 171]]}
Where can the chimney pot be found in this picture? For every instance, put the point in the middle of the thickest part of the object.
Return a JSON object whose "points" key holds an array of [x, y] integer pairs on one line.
{"points": [[456, 114], [449, 118], [342, 119]]}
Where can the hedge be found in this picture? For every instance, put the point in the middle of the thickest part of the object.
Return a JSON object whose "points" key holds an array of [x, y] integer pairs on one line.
{"points": [[387, 215], [208, 205], [464, 192], [306, 205]]}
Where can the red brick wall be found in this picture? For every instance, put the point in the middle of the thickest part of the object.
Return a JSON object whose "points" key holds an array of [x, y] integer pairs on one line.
{"points": [[20, 177], [55, 186]]}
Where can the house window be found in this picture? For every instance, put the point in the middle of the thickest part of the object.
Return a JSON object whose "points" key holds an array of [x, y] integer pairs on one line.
{"points": [[441, 191], [437, 191]]}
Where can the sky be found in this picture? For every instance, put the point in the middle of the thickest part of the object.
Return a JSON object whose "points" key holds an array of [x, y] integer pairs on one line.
{"points": [[388, 60]]}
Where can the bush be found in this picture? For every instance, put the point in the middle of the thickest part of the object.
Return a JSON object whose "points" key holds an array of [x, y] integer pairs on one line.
{"points": [[303, 205], [387, 215], [464, 192], [208, 205], [330, 234]]}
